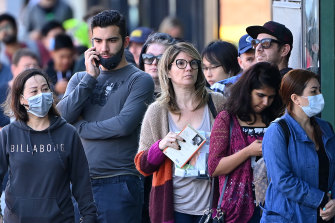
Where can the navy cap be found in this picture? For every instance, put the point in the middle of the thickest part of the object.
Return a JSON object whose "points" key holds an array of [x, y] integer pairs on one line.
{"points": [[140, 34], [280, 31], [244, 44]]}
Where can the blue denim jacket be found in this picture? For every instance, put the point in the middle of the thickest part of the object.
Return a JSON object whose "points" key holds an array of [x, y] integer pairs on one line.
{"points": [[293, 172]]}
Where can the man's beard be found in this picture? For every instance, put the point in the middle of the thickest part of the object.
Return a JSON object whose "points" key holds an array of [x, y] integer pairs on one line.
{"points": [[113, 61], [9, 39]]}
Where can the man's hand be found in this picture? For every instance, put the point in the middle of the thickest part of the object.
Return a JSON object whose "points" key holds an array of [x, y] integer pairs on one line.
{"points": [[90, 64]]}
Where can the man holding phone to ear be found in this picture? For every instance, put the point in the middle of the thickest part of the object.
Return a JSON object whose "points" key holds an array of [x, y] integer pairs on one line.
{"points": [[106, 104]]}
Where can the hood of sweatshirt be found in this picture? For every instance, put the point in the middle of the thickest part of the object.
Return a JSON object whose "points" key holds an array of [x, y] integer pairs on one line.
{"points": [[55, 122], [40, 165]]}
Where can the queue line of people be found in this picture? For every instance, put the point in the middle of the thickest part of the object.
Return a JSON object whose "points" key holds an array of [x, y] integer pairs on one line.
{"points": [[106, 105]]}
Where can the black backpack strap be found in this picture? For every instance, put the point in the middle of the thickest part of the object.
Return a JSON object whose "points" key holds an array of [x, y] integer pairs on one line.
{"points": [[211, 106], [285, 128]]}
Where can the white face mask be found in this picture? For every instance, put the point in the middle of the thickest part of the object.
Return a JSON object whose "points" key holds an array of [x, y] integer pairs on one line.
{"points": [[39, 105], [315, 106]]}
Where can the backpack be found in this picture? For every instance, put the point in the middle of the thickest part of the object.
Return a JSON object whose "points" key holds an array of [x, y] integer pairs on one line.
{"points": [[260, 180], [286, 130]]}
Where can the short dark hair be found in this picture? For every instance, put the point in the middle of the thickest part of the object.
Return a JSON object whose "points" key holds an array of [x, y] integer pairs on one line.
{"points": [[110, 18], [62, 41], [259, 75], [222, 53], [46, 28], [16, 92], [24, 52], [10, 19]]}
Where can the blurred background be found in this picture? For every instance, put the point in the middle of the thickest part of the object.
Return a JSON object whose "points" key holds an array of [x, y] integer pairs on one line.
{"points": [[203, 20], [312, 23]]}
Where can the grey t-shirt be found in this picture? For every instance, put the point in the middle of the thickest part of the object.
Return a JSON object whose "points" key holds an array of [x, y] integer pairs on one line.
{"points": [[191, 195], [107, 113]]}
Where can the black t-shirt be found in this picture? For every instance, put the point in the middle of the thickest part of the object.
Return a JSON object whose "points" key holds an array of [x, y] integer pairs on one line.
{"points": [[323, 175]]}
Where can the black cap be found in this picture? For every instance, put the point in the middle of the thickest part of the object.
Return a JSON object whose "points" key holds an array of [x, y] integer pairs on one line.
{"points": [[280, 31]]}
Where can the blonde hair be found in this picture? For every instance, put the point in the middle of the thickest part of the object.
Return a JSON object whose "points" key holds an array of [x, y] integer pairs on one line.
{"points": [[168, 95]]}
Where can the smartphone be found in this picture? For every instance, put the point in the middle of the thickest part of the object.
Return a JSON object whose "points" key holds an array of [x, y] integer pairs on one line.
{"points": [[97, 63]]}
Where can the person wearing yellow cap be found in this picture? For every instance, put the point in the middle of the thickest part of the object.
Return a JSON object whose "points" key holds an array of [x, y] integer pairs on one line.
{"points": [[137, 38]]}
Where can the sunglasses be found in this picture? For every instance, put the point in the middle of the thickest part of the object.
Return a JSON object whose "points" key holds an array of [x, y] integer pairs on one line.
{"points": [[149, 58], [182, 64], [265, 43]]}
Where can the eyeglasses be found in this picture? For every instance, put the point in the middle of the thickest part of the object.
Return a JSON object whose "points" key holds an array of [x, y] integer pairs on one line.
{"points": [[205, 69], [30, 66], [182, 64], [265, 43], [149, 58]]}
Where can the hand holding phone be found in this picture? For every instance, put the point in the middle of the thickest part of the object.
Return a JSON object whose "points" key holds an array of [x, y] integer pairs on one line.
{"points": [[97, 63], [95, 60], [92, 62]]}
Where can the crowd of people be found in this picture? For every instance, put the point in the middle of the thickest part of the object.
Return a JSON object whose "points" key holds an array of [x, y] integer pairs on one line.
{"points": [[84, 130]]}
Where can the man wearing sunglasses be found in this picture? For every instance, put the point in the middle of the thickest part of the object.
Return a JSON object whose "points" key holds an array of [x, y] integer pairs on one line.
{"points": [[272, 43]]}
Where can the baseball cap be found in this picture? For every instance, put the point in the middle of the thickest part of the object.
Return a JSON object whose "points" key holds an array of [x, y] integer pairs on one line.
{"points": [[140, 34], [244, 44], [280, 31]]}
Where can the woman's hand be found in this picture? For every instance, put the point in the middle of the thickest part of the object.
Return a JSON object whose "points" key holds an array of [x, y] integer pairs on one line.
{"points": [[328, 211], [170, 140], [255, 148]]}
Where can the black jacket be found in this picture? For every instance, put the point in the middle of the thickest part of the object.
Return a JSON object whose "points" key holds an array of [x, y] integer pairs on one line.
{"points": [[41, 165]]}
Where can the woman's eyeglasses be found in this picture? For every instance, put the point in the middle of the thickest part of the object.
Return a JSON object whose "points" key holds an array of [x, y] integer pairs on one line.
{"points": [[265, 43], [149, 58], [182, 64], [206, 69]]}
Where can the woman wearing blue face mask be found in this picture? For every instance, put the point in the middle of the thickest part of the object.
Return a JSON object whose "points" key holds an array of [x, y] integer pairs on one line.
{"points": [[43, 155], [299, 152]]}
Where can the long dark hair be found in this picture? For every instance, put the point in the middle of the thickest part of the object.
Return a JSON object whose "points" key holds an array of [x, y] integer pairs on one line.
{"points": [[258, 76], [16, 92], [295, 82]]}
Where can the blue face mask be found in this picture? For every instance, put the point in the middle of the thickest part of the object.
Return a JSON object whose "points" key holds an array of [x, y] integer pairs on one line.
{"points": [[39, 105], [315, 105]]}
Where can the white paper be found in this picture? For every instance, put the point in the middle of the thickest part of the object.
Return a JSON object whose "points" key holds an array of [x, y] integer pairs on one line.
{"points": [[194, 140]]}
